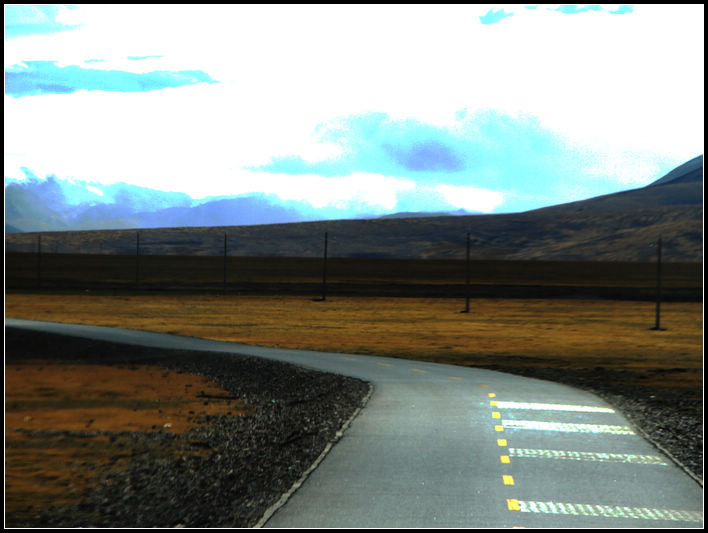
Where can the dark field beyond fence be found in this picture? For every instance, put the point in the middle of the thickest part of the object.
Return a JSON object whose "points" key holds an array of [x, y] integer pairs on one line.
{"points": [[352, 276]]}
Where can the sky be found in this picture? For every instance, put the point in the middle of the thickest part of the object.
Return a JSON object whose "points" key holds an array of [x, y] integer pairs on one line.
{"points": [[367, 109]]}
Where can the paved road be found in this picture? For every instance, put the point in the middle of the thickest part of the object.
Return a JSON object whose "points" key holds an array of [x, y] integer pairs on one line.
{"points": [[445, 446]]}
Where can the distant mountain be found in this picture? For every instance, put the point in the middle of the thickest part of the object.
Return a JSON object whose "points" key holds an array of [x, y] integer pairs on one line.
{"points": [[36, 208], [615, 227], [12, 229], [58, 205]]}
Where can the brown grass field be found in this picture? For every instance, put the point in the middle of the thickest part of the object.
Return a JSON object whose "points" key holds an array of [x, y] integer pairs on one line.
{"points": [[49, 469], [501, 333]]}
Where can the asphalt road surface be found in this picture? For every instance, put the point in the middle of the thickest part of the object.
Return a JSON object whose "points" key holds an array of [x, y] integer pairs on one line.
{"points": [[446, 446]]}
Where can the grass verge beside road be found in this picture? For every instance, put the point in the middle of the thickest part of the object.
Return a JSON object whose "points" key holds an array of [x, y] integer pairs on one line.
{"points": [[508, 334]]}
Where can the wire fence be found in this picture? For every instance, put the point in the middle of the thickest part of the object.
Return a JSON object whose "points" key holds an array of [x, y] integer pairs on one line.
{"points": [[315, 265]]}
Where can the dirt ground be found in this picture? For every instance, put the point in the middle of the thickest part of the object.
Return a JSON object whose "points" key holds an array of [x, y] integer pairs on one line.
{"points": [[64, 423]]}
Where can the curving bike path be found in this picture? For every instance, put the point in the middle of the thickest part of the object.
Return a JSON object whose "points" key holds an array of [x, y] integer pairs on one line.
{"points": [[445, 446]]}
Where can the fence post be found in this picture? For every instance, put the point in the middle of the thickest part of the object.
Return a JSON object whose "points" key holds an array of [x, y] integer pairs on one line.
{"points": [[224, 263]]}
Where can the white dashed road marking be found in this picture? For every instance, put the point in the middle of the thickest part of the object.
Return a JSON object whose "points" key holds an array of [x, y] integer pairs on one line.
{"points": [[607, 511], [587, 456], [567, 427], [553, 407]]}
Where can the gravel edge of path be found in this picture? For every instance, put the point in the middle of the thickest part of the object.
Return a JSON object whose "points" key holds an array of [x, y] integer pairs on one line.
{"points": [[256, 459]]}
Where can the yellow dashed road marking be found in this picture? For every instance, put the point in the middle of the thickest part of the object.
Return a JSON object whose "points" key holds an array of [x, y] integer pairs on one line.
{"points": [[504, 459], [501, 442], [455, 377], [419, 370], [496, 414], [508, 480], [498, 428], [492, 395], [383, 364]]}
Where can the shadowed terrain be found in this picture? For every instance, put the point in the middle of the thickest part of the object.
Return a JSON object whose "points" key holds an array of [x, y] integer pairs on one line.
{"points": [[615, 227]]}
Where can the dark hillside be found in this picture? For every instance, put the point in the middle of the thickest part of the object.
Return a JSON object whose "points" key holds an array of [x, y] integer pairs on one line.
{"points": [[688, 172], [615, 227]]}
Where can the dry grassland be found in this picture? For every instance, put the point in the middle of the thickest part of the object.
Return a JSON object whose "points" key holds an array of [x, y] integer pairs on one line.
{"points": [[66, 423], [502, 333]]}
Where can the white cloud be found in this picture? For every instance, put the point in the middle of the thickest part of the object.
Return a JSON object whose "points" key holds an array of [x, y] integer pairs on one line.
{"points": [[357, 191], [618, 86], [471, 198], [94, 190]]}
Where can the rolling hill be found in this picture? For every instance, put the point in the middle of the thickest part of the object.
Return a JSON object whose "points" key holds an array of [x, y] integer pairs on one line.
{"points": [[616, 227]]}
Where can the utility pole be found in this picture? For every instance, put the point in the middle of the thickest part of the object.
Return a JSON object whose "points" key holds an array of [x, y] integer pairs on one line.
{"points": [[657, 325], [324, 271], [137, 260], [224, 263], [39, 260], [467, 277]]}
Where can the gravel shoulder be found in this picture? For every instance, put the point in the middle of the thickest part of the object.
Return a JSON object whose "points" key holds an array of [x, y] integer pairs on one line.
{"points": [[296, 412], [254, 459]]}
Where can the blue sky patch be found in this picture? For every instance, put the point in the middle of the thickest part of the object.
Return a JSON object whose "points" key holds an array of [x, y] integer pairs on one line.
{"points": [[138, 58], [46, 77], [493, 16], [575, 8], [371, 142], [426, 156], [621, 10], [23, 20], [487, 149]]}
